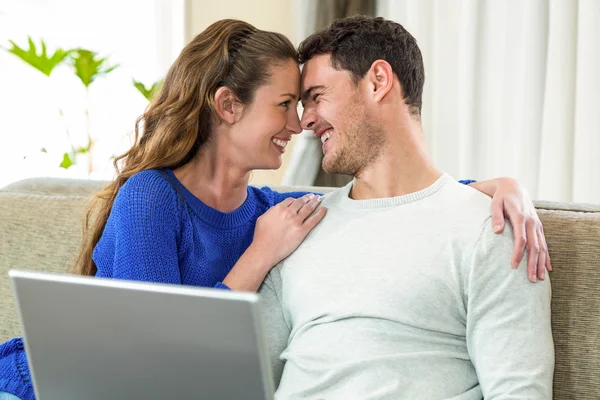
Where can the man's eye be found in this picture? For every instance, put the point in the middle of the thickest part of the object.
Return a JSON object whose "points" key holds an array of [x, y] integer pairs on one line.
{"points": [[316, 96]]}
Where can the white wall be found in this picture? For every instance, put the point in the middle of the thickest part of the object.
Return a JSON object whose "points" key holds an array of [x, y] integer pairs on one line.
{"points": [[272, 15]]}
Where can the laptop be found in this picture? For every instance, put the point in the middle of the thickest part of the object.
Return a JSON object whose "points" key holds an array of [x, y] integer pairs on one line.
{"points": [[97, 339]]}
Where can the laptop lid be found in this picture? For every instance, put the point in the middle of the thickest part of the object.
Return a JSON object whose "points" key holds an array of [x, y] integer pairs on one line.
{"points": [[93, 338]]}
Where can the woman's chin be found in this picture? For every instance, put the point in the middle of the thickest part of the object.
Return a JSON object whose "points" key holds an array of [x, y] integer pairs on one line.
{"points": [[276, 165]]}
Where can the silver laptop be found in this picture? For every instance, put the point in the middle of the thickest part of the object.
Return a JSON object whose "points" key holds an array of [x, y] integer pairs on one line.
{"points": [[92, 338]]}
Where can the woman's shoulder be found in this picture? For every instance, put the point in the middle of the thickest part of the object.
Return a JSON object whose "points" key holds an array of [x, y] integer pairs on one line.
{"points": [[148, 179], [147, 187]]}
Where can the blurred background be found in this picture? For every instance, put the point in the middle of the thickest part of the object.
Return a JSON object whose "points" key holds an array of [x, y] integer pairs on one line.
{"points": [[512, 86]]}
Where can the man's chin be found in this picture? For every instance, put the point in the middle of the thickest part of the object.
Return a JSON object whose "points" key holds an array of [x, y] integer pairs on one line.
{"points": [[334, 169], [328, 167]]}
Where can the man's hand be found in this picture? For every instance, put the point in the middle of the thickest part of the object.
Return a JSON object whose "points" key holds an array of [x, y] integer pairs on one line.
{"points": [[510, 200]]}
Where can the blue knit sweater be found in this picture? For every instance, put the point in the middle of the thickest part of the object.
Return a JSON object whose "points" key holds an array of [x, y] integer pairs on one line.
{"points": [[158, 231]]}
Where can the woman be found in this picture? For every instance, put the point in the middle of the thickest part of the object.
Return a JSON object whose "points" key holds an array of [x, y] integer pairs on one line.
{"points": [[180, 210]]}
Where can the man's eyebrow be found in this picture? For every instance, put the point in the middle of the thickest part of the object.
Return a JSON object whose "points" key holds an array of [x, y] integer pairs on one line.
{"points": [[292, 95], [307, 92]]}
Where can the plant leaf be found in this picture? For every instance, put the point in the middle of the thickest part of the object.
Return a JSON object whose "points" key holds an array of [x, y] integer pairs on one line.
{"points": [[66, 162], [110, 69], [41, 61], [147, 92], [88, 66], [44, 54], [84, 150]]}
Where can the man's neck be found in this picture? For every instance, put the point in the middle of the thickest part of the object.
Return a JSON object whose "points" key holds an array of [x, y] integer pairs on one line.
{"points": [[404, 167]]}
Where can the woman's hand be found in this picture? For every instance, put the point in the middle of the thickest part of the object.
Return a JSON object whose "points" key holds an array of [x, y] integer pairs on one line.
{"points": [[278, 233], [280, 230], [510, 200]]}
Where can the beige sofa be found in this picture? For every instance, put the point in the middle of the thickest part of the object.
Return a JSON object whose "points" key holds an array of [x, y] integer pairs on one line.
{"points": [[41, 225]]}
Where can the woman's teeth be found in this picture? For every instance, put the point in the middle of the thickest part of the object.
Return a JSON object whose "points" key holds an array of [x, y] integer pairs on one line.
{"points": [[279, 142], [326, 135]]}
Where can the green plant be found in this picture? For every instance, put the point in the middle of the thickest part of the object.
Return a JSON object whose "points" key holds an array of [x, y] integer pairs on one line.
{"points": [[147, 92], [87, 66], [42, 62]]}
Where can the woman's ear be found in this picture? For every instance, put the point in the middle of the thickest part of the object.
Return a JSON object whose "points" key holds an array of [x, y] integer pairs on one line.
{"points": [[227, 105]]}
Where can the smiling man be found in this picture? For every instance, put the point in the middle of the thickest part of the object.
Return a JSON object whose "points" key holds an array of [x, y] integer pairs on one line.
{"points": [[404, 291]]}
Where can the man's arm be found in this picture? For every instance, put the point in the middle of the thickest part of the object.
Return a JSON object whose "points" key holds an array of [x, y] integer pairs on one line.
{"points": [[277, 331], [509, 336], [510, 200]]}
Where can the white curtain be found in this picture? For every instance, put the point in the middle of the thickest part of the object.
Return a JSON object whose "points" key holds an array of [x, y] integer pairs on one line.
{"points": [[512, 89]]}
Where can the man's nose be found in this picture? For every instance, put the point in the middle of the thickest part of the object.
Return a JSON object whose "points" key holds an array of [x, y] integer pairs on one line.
{"points": [[309, 118]]}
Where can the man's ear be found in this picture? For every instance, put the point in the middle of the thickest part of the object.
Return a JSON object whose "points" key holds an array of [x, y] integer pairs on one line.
{"points": [[381, 79], [227, 105]]}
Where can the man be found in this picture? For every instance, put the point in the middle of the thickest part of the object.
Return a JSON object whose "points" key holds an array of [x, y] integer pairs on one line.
{"points": [[403, 291]]}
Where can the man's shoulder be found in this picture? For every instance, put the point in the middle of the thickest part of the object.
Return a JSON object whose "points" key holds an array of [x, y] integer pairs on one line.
{"points": [[464, 203], [457, 212]]}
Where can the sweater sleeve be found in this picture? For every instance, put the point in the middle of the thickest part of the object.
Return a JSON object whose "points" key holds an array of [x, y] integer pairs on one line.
{"points": [[277, 330], [140, 240], [509, 336], [15, 377]]}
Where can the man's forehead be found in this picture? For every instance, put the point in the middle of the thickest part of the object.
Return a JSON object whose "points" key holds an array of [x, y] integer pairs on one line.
{"points": [[316, 71]]}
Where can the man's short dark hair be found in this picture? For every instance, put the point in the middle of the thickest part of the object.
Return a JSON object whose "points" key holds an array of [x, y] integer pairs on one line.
{"points": [[356, 42]]}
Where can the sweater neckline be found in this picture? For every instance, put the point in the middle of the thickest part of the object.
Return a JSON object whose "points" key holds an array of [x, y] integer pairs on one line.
{"points": [[212, 216], [347, 202]]}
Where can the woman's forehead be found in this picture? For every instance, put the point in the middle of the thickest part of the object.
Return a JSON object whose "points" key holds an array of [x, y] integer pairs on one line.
{"points": [[285, 77]]}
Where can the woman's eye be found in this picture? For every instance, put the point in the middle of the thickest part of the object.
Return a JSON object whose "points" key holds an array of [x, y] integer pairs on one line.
{"points": [[285, 104]]}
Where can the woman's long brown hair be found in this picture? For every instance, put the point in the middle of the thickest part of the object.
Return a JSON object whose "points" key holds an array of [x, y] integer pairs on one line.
{"points": [[177, 123]]}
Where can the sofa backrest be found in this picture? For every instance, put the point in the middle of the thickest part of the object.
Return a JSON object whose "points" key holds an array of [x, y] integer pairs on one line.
{"points": [[41, 225], [41, 228]]}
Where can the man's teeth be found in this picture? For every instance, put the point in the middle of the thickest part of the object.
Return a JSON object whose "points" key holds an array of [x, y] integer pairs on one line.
{"points": [[326, 135], [279, 142]]}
